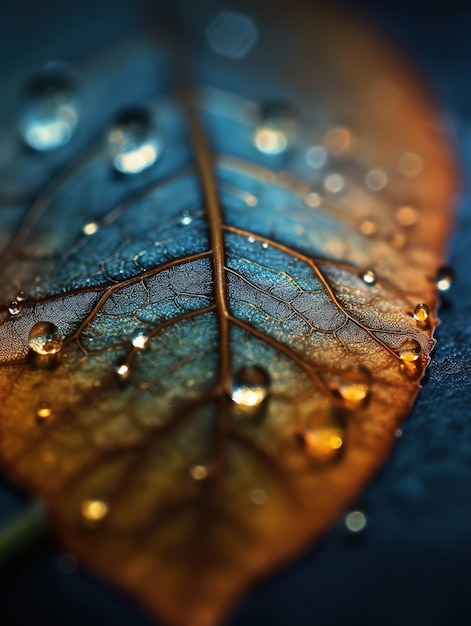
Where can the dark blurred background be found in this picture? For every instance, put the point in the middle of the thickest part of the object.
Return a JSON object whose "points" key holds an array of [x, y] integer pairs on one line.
{"points": [[412, 563]]}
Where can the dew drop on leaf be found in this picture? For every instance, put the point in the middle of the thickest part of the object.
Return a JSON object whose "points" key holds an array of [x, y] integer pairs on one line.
{"points": [[409, 350], [93, 512], [445, 277], [45, 339], [369, 277], [133, 142], [14, 308], [323, 444], [422, 313], [250, 388]]}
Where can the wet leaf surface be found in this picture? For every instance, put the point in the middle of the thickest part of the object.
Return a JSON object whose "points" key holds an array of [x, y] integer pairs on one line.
{"points": [[210, 328]]}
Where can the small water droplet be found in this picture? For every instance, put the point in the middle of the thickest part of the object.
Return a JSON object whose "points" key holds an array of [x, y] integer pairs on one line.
{"points": [[398, 241], [352, 386], [259, 497], [199, 472], [133, 142], [14, 308], [316, 157], [421, 313], [50, 113], [410, 164], [21, 296], [251, 239], [250, 388], [43, 412], [407, 216], [334, 183], [93, 512], [251, 200], [445, 278], [275, 129], [90, 229], [398, 433], [45, 339], [369, 277], [337, 140], [313, 199], [323, 444], [409, 350], [265, 245], [368, 227], [376, 179], [122, 371], [355, 521], [140, 341], [186, 219]]}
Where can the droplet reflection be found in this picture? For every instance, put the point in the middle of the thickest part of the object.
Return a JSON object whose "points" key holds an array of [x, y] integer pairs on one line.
{"points": [[45, 339], [409, 350], [250, 388], [133, 142]]}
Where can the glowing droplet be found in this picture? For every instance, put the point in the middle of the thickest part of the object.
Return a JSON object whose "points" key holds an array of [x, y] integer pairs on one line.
{"points": [[259, 497], [323, 444], [275, 129], [50, 114], [133, 142], [398, 241], [90, 229], [93, 512], [334, 183], [21, 296], [354, 390], [122, 371], [355, 521], [251, 200], [316, 157], [407, 216], [376, 179], [409, 350], [337, 140], [45, 339], [186, 219], [445, 278], [199, 472], [421, 313], [43, 412], [14, 308], [250, 388], [313, 200], [369, 277], [410, 164], [140, 341], [368, 227]]}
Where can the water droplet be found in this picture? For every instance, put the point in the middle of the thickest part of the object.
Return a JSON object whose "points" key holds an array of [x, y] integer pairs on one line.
{"points": [[323, 444], [376, 179], [355, 521], [409, 350], [353, 386], [45, 339], [313, 199], [368, 227], [250, 388], [122, 371], [90, 229], [334, 183], [140, 341], [407, 216], [93, 512], [398, 433], [199, 472], [276, 127], [337, 140], [14, 308], [43, 412], [21, 296], [410, 164], [133, 142], [445, 278], [421, 313], [259, 497], [186, 219], [251, 200], [316, 157], [50, 113], [398, 241], [368, 277], [265, 245], [251, 239], [412, 370]]}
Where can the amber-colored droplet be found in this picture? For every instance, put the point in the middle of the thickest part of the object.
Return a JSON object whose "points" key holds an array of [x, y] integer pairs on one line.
{"points": [[407, 216], [368, 227], [45, 339], [43, 412], [93, 512], [421, 313], [410, 164], [199, 472], [445, 278], [409, 350], [323, 444]]}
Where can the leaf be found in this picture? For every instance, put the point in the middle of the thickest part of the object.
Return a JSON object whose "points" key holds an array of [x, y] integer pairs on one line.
{"points": [[205, 359]]}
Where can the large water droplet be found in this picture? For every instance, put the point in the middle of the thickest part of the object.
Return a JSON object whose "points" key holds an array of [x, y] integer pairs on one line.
{"points": [[323, 444], [275, 129], [93, 512], [445, 278], [250, 388], [45, 339], [133, 142], [50, 113], [421, 313], [409, 350]]}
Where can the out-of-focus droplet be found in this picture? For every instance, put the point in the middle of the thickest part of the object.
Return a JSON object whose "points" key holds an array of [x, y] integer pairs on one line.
{"points": [[412, 370], [90, 228], [398, 241], [376, 179], [21, 296], [445, 278], [368, 227], [353, 386], [337, 140], [45, 339], [122, 371], [50, 113], [313, 200], [275, 129], [259, 497], [355, 521], [14, 308], [334, 183], [43, 412], [410, 164], [186, 219], [409, 350], [250, 388], [323, 444], [140, 341], [199, 472], [316, 157], [421, 313], [133, 142], [398, 433], [93, 512], [232, 34], [407, 215], [369, 277]]}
